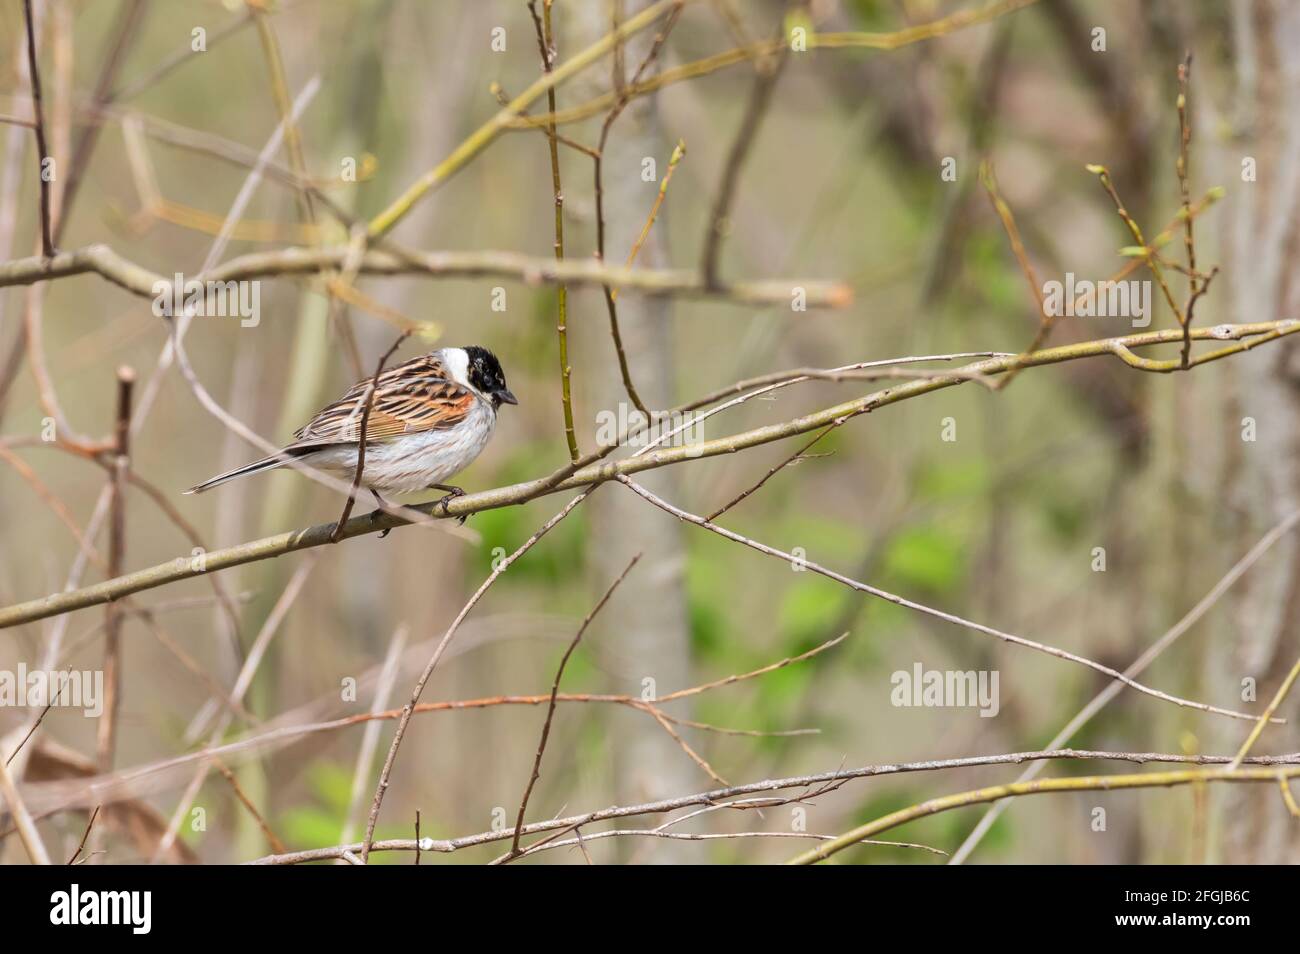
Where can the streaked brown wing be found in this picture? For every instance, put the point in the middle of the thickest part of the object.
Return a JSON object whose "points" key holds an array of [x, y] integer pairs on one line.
{"points": [[414, 396]]}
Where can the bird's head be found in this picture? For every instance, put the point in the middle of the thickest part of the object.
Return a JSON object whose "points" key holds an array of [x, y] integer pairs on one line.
{"points": [[484, 373]]}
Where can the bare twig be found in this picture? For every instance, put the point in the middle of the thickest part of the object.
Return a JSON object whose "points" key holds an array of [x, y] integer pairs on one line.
{"points": [[272, 839], [920, 607], [766, 72], [997, 792], [42, 151], [245, 679], [1247, 336], [127, 31], [102, 260], [498, 568], [107, 729], [971, 16], [1103, 175], [367, 402], [183, 54], [1264, 717], [370, 738], [550, 709], [86, 834], [1008, 220], [546, 44], [1139, 665], [799, 455], [725, 796], [489, 131], [27, 833], [1184, 188], [678, 153], [598, 165]]}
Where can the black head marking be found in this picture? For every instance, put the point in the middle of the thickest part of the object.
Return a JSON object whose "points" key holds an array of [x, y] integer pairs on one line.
{"points": [[485, 374]]}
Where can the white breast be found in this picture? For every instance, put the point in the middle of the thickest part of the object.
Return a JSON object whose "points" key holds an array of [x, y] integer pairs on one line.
{"points": [[415, 461]]}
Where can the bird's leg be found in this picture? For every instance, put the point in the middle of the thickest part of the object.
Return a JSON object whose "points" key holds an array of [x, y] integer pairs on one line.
{"points": [[452, 494], [376, 514]]}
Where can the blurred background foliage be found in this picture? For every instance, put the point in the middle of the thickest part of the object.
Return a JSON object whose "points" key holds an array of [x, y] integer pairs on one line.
{"points": [[843, 183]]}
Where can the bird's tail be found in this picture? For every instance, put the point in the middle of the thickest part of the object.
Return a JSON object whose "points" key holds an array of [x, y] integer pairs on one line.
{"points": [[256, 467]]}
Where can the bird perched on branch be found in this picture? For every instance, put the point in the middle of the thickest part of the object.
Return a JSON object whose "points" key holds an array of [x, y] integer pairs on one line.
{"points": [[429, 418]]}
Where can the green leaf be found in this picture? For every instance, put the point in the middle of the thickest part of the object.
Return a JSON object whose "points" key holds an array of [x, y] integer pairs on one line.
{"points": [[809, 608], [925, 558], [968, 478]]}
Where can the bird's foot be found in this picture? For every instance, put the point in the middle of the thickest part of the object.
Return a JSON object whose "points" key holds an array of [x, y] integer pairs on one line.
{"points": [[452, 494], [375, 515]]}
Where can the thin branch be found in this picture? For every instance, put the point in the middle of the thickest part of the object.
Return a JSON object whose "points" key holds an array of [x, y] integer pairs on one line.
{"points": [[86, 834], [370, 737], [1082, 784], [498, 568], [1266, 716], [766, 72], [799, 455], [922, 608], [723, 795], [102, 260], [894, 40], [1185, 192], [550, 710], [712, 836], [1247, 336], [245, 679], [1103, 175], [1138, 666], [128, 30], [678, 153], [598, 165], [276, 844], [367, 402], [27, 832], [286, 729], [754, 673], [1003, 210], [183, 54], [43, 173], [482, 137], [546, 44], [106, 738]]}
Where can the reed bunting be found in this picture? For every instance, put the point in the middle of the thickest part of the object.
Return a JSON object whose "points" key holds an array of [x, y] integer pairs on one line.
{"points": [[430, 417]]}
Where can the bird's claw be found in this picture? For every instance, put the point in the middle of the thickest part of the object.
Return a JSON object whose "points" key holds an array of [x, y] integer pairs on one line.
{"points": [[444, 501]]}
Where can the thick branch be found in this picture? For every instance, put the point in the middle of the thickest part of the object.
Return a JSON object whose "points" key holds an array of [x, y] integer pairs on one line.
{"points": [[720, 795], [1089, 783], [680, 283], [1246, 336]]}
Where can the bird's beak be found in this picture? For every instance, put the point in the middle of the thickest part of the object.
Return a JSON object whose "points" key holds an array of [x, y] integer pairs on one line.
{"points": [[505, 397]]}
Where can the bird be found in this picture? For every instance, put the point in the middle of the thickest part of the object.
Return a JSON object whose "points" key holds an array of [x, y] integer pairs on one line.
{"points": [[430, 417]]}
